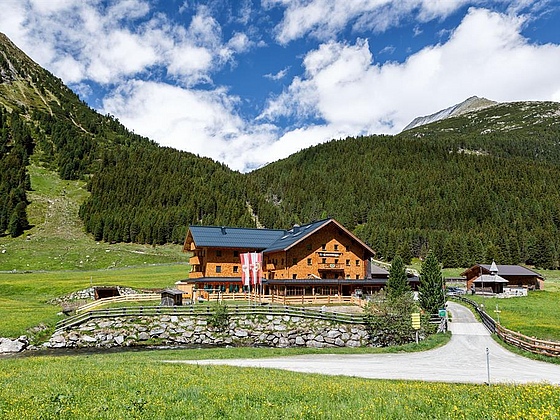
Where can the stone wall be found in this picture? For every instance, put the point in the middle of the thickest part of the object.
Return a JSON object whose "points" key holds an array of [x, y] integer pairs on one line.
{"points": [[245, 330]]}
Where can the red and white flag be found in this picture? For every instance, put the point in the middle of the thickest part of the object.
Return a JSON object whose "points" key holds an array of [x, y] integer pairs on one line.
{"points": [[256, 268], [245, 269]]}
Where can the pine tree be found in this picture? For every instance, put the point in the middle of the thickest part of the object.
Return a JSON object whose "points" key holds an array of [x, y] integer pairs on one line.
{"points": [[18, 220], [397, 284], [430, 291], [404, 252]]}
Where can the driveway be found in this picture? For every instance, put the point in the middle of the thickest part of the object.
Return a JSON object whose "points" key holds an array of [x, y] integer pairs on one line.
{"points": [[463, 359]]}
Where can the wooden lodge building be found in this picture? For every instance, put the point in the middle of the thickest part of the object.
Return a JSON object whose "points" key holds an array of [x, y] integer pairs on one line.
{"points": [[496, 277], [320, 258]]}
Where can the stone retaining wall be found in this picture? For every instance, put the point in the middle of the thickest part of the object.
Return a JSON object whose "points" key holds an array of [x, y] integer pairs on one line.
{"points": [[244, 330]]}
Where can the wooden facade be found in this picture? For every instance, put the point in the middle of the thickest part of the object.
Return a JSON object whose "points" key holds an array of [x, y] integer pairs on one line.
{"points": [[516, 276], [322, 258]]}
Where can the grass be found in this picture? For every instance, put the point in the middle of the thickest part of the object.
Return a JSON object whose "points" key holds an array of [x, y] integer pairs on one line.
{"points": [[535, 315], [137, 385], [24, 297], [56, 240]]}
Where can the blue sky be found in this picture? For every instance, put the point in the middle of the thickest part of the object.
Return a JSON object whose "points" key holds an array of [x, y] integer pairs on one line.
{"points": [[251, 81]]}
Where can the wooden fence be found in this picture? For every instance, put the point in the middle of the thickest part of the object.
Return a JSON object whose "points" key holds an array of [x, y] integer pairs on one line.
{"points": [[289, 300], [532, 344], [139, 297], [251, 297]]}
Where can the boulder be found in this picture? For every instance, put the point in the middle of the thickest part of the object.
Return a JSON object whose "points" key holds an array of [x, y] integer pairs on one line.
{"points": [[143, 336], [157, 331], [119, 339], [300, 341], [241, 333], [11, 346], [88, 339]]}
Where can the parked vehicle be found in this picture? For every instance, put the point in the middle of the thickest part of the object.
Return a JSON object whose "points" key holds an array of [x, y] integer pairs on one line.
{"points": [[454, 291]]}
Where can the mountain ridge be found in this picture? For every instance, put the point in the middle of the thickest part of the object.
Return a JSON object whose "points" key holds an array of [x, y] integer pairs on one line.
{"points": [[474, 103]]}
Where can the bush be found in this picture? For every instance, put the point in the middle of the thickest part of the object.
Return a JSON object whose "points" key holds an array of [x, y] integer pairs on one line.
{"points": [[220, 318], [388, 321]]}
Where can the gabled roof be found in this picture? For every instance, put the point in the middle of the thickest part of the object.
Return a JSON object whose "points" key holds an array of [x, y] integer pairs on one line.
{"points": [[507, 270], [265, 240], [295, 235], [489, 278], [228, 237]]}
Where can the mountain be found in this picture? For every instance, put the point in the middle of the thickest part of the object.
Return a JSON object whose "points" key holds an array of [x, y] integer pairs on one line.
{"points": [[482, 185], [474, 103], [137, 191]]}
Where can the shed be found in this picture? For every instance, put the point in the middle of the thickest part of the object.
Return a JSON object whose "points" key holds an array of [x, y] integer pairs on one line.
{"points": [[171, 297]]}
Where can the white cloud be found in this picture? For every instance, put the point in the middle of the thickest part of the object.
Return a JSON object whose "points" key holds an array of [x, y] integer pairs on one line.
{"points": [[486, 56], [278, 76], [88, 40], [389, 49], [324, 19]]}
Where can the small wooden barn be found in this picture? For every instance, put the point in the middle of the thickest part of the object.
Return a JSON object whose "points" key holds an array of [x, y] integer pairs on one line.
{"points": [[171, 297]]}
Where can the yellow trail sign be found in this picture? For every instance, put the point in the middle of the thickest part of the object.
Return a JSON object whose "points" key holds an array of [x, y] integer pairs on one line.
{"points": [[416, 321]]}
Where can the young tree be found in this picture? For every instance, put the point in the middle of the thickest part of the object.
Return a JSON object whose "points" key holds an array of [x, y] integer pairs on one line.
{"points": [[397, 284], [431, 294]]}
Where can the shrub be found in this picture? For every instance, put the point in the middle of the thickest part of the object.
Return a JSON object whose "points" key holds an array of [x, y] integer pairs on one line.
{"points": [[220, 318]]}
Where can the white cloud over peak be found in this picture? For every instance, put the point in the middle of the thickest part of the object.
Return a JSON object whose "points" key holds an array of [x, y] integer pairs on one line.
{"points": [[486, 55]]}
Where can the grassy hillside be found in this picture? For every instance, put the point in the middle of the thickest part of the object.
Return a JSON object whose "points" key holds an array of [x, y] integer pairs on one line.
{"points": [[57, 241], [24, 297], [138, 385]]}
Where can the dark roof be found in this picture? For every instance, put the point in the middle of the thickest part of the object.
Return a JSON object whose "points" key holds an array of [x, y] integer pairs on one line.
{"points": [[378, 271], [172, 292], [511, 270], [265, 240], [295, 234], [228, 237]]}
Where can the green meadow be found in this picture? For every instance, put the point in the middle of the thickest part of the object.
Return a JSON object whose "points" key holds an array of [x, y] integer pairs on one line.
{"points": [[56, 238], [24, 297], [139, 386]]}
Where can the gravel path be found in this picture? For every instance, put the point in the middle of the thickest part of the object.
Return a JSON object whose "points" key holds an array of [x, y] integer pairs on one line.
{"points": [[463, 359]]}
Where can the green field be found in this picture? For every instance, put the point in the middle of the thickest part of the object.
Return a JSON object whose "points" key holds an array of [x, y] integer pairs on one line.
{"points": [[535, 315], [24, 297], [56, 240], [138, 385]]}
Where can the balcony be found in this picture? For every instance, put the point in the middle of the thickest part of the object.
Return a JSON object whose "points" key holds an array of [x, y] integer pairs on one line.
{"points": [[195, 260], [331, 266]]}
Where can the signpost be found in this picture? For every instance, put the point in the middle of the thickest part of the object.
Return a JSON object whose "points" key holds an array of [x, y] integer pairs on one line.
{"points": [[442, 313], [416, 323], [498, 313]]}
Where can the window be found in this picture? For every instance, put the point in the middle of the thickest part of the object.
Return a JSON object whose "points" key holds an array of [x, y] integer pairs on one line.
{"points": [[294, 261], [357, 262], [324, 247], [324, 260], [347, 276], [336, 260], [336, 247], [294, 276], [236, 253], [235, 269], [348, 263], [219, 253], [309, 261], [357, 276], [218, 269], [309, 247], [282, 261], [347, 248]]}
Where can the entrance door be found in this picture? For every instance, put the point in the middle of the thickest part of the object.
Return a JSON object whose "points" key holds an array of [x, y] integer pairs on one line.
{"points": [[346, 291]]}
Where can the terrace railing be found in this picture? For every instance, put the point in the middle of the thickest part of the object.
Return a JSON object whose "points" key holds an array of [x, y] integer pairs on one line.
{"points": [[532, 344]]}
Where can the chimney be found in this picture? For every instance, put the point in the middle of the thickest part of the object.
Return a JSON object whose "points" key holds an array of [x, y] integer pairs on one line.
{"points": [[223, 229], [295, 228]]}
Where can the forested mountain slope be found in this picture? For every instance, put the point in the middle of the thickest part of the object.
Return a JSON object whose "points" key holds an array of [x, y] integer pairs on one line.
{"points": [[480, 186], [139, 191]]}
